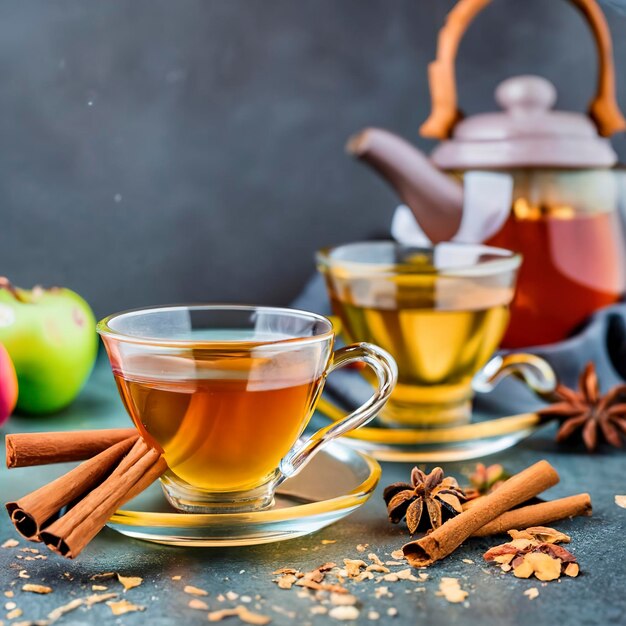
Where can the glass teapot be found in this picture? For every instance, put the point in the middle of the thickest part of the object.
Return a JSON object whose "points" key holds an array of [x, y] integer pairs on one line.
{"points": [[560, 208]]}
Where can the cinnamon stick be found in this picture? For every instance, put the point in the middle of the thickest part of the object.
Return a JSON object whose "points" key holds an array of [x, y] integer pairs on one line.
{"points": [[30, 513], [144, 482], [450, 535], [27, 449], [71, 533], [537, 515]]}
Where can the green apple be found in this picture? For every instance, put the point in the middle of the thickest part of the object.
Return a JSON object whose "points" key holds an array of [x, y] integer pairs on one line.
{"points": [[50, 336]]}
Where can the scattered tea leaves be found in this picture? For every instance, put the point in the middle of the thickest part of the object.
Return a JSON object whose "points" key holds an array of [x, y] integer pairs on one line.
{"points": [[36, 588], [311, 584], [353, 567], [325, 567], [451, 590], [60, 611], [405, 574], [195, 603], [103, 576], [14, 613], [531, 593], [124, 606], [342, 599], [10, 543], [619, 500], [23, 574], [96, 598], [286, 581], [242, 613], [281, 611], [98, 588], [130, 582], [344, 613], [195, 591]]}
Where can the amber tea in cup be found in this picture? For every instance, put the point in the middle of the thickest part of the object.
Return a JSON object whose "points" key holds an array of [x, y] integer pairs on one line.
{"points": [[250, 427], [226, 391], [441, 312]]}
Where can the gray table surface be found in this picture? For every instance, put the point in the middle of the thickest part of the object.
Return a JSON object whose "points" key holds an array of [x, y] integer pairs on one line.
{"points": [[596, 597]]}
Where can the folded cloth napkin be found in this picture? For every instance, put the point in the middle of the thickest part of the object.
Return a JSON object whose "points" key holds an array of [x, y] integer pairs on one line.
{"points": [[601, 340]]}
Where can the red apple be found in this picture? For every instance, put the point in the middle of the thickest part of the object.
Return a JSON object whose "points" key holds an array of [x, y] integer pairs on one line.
{"points": [[8, 385]]}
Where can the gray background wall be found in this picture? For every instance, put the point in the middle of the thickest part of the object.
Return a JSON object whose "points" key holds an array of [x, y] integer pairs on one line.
{"points": [[157, 151]]}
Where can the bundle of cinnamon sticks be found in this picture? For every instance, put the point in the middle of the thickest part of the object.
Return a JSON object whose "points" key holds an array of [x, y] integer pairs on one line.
{"points": [[495, 513], [68, 513]]}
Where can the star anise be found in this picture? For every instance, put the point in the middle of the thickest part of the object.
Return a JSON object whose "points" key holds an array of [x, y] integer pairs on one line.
{"points": [[440, 496], [588, 412]]}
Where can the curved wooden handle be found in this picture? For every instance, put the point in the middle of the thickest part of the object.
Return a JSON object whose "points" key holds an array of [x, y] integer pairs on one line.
{"points": [[603, 108], [444, 112]]}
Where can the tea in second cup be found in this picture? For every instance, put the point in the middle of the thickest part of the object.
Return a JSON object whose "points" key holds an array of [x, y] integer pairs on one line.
{"points": [[440, 311]]}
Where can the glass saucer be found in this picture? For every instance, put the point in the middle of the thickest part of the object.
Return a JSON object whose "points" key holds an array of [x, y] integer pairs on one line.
{"points": [[337, 481], [483, 436]]}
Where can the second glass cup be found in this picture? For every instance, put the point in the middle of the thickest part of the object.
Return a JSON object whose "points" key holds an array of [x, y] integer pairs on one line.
{"points": [[441, 312]]}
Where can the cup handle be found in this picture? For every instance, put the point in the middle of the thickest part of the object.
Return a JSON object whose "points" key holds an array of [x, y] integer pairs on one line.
{"points": [[386, 372], [531, 369]]}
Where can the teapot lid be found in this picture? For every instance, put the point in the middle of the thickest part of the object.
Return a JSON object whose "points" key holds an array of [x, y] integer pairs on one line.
{"points": [[528, 133]]}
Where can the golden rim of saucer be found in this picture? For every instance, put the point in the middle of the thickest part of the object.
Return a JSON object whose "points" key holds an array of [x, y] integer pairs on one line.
{"points": [[351, 499], [451, 434]]}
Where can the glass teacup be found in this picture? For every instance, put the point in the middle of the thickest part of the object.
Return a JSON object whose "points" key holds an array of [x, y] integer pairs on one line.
{"points": [[226, 392], [441, 312]]}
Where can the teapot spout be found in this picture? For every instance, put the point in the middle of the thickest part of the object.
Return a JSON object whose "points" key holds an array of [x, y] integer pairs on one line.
{"points": [[435, 199]]}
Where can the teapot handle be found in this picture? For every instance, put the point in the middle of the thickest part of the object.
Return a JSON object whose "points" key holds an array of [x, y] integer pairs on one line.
{"points": [[603, 108]]}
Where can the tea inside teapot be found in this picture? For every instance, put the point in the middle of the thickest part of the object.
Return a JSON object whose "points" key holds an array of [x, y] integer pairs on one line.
{"points": [[566, 225]]}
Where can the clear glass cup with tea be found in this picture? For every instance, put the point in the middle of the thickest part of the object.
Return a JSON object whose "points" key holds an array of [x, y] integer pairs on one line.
{"points": [[225, 392], [440, 311]]}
